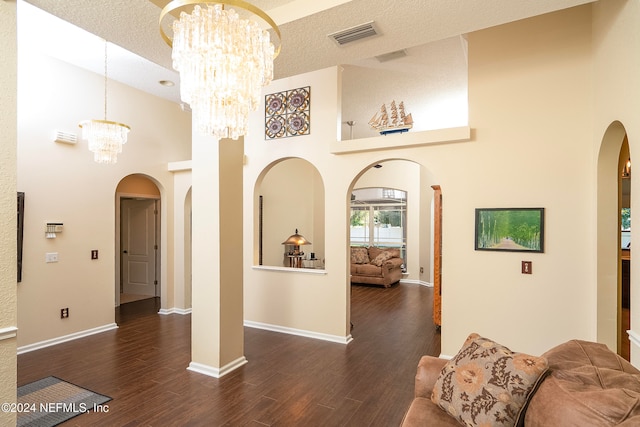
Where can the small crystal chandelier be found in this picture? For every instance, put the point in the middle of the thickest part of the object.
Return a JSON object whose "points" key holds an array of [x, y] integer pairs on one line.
{"points": [[223, 61], [105, 138]]}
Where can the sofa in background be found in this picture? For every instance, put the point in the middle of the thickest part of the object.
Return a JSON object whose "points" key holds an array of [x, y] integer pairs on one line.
{"points": [[581, 383], [375, 266]]}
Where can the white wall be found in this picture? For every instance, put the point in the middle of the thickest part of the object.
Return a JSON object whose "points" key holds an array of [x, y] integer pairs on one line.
{"points": [[63, 184]]}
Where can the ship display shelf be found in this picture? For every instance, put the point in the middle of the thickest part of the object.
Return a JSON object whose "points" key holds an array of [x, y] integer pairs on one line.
{"points": [[396, 141], [397, 122]]}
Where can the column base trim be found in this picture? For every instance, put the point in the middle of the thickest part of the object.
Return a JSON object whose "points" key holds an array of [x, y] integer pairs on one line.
{"points": [[217, 372]]}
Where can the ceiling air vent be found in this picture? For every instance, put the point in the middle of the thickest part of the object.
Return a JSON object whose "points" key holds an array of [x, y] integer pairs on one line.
{"points": [[392, 55], [64, 137], [352, 34]]}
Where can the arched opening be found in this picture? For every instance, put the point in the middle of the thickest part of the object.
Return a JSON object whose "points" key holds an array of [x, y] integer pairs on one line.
{"points": [[289, 196], [137, 240], [415, 182], [610, 326], [624, 200]]}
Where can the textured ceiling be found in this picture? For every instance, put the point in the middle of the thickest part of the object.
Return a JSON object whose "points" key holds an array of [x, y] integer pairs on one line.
{"points": [[305, 24]]}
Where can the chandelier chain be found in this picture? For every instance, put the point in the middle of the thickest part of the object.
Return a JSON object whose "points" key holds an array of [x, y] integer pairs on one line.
{"points": [[105, 80], [105, 138]]}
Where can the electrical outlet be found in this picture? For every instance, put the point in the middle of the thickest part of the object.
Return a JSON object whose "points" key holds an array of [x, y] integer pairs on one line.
{"points": [[526, 267], [421, 270], [64, 313], [51, 257]]}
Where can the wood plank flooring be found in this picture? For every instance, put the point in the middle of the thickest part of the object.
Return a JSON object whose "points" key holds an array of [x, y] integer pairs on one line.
{"points": [[289, 380]]}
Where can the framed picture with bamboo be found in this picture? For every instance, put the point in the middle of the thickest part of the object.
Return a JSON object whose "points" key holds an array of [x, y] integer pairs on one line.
{"points": [[509, 229]]}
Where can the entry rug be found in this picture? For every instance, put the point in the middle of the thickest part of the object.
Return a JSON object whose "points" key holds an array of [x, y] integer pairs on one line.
{"points": [[51, 401]]}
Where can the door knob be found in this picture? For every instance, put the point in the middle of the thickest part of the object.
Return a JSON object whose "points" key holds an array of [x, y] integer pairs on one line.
{"points": [[125, 252]]}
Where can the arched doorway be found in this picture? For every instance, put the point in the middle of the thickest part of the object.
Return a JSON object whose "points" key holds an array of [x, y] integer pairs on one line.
{"points": [[416, 182], [611, 329], [624, 199], [137, 239]]}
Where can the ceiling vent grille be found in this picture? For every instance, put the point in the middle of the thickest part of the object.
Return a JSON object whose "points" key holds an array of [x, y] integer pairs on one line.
{"points": [[359, 32], [392, 55], [64, 137]]}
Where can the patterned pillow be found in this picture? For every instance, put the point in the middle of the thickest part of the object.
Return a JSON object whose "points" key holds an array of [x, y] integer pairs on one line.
{"points": [[380, 259], [359, 255], [487, 384]]}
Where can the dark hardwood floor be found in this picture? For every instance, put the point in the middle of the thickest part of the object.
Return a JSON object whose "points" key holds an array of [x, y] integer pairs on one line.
{"points": [[289, 380]]}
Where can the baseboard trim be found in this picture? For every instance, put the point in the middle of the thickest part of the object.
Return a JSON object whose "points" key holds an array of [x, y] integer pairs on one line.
{"points": [[217, 372], [8, 333], [417, 282], [299, 332], [174, 310], [634, 338], [59, 340]]}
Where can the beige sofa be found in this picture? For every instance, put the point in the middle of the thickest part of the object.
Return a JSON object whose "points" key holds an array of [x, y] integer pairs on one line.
{"points": [[375, 266], [585, 384]]}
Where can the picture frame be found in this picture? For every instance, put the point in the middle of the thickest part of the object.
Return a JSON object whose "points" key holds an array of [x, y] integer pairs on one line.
{"points": [[287, 113], [509, 229]]}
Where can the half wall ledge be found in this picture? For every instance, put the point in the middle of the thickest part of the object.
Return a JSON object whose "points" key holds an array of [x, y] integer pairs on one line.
{"points": [[402, 140], [289, 269]]}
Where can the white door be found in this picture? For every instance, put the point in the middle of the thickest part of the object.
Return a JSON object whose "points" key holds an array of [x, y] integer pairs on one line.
{"points": [[139, 246]]}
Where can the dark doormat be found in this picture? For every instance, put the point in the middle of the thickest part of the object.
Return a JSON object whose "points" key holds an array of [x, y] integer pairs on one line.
{"points": [[51, 401]]}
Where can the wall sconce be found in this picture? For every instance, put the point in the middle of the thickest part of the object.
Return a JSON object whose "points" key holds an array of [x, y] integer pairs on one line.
{"points": [[295, 256], [52, 229], [626, 170]]}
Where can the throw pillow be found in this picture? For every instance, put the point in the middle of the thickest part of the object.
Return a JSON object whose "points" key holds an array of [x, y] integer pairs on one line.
{"points": [[380, 259], [359, 255], [487, 384], [374, 252]]}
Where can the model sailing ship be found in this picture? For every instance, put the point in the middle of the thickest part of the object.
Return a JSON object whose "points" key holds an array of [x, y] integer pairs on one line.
{"points": [[397, 122]]}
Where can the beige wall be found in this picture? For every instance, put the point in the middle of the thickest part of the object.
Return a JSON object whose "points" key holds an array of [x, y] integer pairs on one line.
{"points": [[63, 184], [292, 193], [138, 185], [617, 90], [301, 300], [542, 92], [531, 108], [8, 138], [180, 299], [431, 81]]}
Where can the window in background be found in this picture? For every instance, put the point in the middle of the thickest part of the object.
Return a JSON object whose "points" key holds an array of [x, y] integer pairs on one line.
{"points": [[378, 218]]}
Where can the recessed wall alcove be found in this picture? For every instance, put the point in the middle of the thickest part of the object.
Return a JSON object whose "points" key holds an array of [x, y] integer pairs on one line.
{"points": [[289, 196]]}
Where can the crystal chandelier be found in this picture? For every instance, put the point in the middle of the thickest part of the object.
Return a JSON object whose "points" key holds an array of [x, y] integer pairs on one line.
{"points": [[105, 138], [223, 61]]}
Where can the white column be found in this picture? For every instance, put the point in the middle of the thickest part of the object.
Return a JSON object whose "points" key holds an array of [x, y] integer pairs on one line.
{"points": [[217, 336]]}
